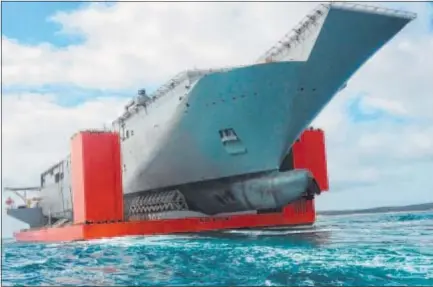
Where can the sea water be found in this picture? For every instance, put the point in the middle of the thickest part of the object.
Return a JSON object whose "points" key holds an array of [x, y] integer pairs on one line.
{"points": [[394, 249]]}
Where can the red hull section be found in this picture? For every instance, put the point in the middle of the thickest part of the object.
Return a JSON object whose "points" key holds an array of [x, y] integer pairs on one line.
{"points": [[98, 196], [96, 177], [309, 153], [299, 213]]}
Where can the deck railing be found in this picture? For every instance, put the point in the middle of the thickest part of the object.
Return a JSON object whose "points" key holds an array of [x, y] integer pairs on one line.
{"points": [[374, 9], [292, 38], [131, 106]]}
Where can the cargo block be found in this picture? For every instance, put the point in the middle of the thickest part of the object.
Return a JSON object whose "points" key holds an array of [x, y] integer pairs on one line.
{"points": [[96, 177]]}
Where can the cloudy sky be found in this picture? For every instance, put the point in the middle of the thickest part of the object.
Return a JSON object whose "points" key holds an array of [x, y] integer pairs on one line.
{"points": [[68, 66]]}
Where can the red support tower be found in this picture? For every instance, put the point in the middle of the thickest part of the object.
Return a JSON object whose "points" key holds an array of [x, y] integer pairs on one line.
{"points": [[96, 177], [309, 153]]}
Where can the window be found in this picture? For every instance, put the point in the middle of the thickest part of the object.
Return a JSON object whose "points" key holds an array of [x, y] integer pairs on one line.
{"points": [[127, 134], [231, 142], [122, 131], [57, 177], [227, 135]]}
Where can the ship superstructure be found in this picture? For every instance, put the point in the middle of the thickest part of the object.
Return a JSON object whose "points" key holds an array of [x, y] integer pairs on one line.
{"points": [[216, 141]]}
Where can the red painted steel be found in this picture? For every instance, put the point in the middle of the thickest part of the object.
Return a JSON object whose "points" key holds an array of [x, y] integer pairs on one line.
{"points": [[299, 213], [96, 177], [67, 233], [309, 152]]}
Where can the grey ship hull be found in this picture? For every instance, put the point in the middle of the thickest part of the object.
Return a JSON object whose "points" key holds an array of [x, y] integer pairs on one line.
{"points": [[267, 105]]}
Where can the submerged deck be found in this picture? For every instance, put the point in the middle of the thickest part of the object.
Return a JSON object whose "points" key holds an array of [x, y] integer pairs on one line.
{"points": [[295, 214]]}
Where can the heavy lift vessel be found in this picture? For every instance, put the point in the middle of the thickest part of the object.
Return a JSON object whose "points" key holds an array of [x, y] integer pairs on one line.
{"points": [[197, 156], [98, 205]]}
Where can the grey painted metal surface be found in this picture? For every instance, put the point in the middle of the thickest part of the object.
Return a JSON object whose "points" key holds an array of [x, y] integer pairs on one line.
{"points": [[32, 216], [56, 190], [252, 192]]}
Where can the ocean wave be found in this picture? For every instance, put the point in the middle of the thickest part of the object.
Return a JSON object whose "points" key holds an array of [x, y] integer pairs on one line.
{"points": [[376, 249]]}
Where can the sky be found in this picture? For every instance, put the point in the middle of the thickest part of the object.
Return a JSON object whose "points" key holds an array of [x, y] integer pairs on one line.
{"points": [[69, 66]]}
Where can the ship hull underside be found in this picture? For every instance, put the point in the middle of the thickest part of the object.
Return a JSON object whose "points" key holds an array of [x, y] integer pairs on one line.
{"points": [[250, 193]]}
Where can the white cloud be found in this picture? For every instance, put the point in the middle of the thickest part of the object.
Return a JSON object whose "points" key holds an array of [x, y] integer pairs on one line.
{"points": [[130, 44], [370, 104], [386, 161], [380, 157], [405, 71], [142, 44], [36, 131], [36, 134]]}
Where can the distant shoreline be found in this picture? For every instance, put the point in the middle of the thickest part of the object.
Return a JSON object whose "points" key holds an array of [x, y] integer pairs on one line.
{"points": [[412, 207]]}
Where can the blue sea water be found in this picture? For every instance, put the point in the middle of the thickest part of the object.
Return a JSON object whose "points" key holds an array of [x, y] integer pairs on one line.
{"points": [[394, 249]]}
